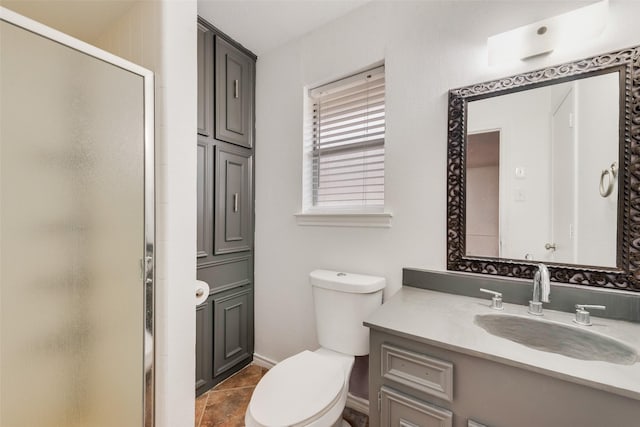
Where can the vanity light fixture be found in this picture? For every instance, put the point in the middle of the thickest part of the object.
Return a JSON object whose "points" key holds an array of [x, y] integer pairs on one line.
{"points": [[549, 34]]}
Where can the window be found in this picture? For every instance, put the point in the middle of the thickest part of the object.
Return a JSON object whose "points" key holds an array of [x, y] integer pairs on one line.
{"points": [[345, 144]]}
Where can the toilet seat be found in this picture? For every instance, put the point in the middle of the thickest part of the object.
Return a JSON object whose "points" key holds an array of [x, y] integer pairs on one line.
{"points": [[297, 390]]}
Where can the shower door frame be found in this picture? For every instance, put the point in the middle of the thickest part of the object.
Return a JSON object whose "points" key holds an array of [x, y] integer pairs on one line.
{"points": [[148, 263]]}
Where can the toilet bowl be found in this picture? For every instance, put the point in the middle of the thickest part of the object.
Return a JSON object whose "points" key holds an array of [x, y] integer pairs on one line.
{"points": [[310, 388]]}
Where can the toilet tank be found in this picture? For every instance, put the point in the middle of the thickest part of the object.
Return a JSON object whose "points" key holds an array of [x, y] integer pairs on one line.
{"points": [[342, 301]]}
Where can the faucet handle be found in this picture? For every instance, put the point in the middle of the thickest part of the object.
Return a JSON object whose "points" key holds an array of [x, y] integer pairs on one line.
{"points": [[496, 300], [582, 315]]}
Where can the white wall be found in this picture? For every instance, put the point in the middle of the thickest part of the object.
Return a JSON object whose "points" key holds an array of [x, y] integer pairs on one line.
{"points": [[428, 48], [161, 36]]}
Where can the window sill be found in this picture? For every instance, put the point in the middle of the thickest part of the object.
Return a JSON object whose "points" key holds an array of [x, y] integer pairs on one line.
{"points": [[345, 219]]}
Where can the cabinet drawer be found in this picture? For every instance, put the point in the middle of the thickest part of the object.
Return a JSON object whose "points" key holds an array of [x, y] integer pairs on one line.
{"points": [[399, 410], [418, 371], [226, 274]]}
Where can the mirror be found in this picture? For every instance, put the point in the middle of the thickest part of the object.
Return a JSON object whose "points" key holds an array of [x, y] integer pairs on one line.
{"points": [[534, 173], [541, 168]]}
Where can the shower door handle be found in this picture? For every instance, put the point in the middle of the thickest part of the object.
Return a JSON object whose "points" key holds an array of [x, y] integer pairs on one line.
{"points": [[148, 269]]}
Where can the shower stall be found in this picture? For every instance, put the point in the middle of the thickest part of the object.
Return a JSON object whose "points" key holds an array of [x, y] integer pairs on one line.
{"points": [[76, 232]]}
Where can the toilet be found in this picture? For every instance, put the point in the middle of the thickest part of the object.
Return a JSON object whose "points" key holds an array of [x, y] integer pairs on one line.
{"points": [[311, 387]]}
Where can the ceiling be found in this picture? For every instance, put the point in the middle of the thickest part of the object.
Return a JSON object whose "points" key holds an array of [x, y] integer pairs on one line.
{"points": [[262, 25], [259, 25], [85, 20]]}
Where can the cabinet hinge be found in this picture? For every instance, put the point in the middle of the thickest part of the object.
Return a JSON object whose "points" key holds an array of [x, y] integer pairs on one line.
{"points": [[379, 401]]}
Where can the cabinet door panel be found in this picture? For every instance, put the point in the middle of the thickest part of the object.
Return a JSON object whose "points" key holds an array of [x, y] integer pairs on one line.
{"points": [[205, 196], [399, 410], [205, 81], [234, 95], [204, 345], [233, 329], [233, 98], [233, 201], [204, 210]]}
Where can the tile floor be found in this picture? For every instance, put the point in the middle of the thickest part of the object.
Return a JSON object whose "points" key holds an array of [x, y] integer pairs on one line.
{"points": [[225, 404]]}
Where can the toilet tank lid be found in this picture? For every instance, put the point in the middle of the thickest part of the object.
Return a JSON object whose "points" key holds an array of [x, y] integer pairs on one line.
{"points": [[346, 282]]}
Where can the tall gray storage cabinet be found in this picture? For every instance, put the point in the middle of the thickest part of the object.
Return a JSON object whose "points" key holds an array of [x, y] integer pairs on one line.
{"points": [[224, 323]]}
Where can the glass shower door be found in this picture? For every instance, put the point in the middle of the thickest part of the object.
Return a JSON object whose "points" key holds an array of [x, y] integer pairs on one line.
{"points": [[73, 306]]}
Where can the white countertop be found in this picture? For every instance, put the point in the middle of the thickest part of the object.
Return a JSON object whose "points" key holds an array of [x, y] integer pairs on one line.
{"points": [[447, 321]]}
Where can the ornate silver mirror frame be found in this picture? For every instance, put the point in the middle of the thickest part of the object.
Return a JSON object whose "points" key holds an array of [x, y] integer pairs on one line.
{"points": [[626, 274]]}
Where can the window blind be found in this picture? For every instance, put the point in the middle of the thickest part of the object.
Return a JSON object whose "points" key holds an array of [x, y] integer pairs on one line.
{"points": [[347, 150]]}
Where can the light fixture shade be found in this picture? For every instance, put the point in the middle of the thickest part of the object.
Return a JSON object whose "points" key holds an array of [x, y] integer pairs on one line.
{"points": [[549, 34]]}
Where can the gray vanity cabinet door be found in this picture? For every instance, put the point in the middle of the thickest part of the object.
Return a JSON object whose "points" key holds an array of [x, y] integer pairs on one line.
{"points": [[233, 329], [204, 345], [234, 95], [233, 209], [400, 410], [205, 81]]}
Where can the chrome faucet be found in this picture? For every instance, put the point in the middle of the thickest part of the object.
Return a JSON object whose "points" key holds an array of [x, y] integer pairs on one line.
{"points": [[541, 290]]}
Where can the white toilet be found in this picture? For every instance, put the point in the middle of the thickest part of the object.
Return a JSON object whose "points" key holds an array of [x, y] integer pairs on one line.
{"points": [[310, 388]]}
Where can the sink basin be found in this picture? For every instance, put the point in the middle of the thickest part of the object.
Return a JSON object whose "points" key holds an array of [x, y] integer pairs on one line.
{"points": [[558, 338]]}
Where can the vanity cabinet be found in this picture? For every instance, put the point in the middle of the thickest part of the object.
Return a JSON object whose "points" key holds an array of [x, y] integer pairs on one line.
{"points": [[225, 214], [420, 384]]}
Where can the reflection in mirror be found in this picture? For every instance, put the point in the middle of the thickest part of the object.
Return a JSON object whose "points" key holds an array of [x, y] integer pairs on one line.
{"points": [[483, 183], [574, 205], [535, 173]]}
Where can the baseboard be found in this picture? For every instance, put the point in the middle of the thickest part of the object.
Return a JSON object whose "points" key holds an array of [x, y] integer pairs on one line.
{"points": [[358, 404], [265, 362]]}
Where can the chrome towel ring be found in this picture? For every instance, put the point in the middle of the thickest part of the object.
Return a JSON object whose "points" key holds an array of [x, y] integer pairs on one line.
{"points": [[611, 173]]}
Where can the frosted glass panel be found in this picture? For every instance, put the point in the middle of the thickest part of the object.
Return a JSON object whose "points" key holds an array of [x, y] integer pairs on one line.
{"points": [[72, 237]]}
